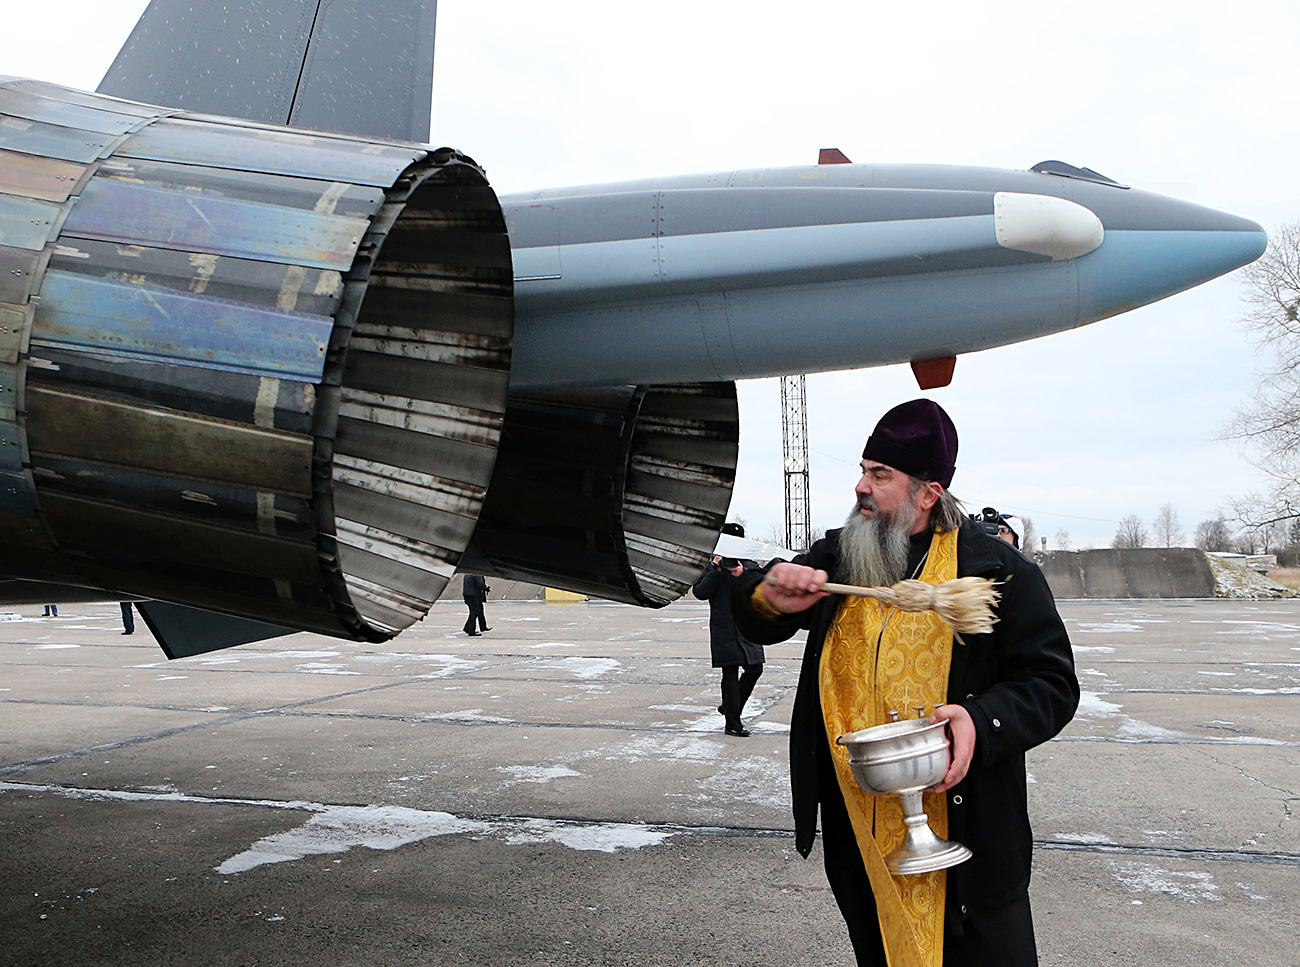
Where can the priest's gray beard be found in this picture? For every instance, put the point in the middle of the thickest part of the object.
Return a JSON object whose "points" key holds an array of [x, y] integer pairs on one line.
{"points": [[873, 550]]}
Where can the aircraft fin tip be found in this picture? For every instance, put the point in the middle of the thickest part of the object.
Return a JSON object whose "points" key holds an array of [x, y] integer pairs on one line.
{"points": [[934, 373], [832, 156]]}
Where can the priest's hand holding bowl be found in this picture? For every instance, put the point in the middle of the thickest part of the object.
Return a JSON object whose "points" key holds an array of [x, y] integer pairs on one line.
{"points": [[961, 743]]}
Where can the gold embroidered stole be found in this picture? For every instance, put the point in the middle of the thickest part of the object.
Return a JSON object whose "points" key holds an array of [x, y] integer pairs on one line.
{"points": [[875, 659]]}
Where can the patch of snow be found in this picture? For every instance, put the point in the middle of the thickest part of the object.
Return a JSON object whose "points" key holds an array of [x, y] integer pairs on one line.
{"points": [[1194, 886], [582, 667], [321, 668], [521, 774], [337, 829], [1096, 839], [466, 715], [604, 837]]}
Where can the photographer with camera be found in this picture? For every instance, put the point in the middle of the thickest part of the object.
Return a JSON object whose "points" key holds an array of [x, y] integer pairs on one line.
{"points": [[739, 658], [1007, 527]]}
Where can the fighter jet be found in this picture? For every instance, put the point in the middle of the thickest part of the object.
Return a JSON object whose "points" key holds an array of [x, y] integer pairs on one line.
{"points": [[271, 363]]}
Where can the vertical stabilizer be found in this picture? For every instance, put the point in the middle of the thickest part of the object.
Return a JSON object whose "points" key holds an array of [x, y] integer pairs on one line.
{"points": [[360, 67]]}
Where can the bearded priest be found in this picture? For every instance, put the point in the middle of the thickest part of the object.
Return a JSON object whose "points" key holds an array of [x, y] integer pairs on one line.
{"points": [[999, 694]]}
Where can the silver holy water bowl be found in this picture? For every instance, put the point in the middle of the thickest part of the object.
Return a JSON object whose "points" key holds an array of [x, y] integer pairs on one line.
{"points": [[905, 759]]}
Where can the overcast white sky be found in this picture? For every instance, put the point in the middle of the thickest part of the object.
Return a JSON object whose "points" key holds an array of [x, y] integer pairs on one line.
{"points": [[1075, 430]]}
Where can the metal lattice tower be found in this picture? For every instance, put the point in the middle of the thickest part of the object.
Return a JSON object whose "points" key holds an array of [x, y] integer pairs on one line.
{"points": [[794, 439]]}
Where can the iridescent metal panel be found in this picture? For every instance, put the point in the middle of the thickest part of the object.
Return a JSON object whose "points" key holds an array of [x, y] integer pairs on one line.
{"points": [[273, 151], [322, 197], [195, 222], [33, 107], [34, 177], [122, 317], [70, 96], [268, 284], [203, 405], [52, 141], [263, 401], [26, 222]]}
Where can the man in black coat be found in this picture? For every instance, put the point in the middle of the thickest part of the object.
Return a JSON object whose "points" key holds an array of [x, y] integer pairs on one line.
{"points": [[475, 591], [1007, 691], [739, 658]]}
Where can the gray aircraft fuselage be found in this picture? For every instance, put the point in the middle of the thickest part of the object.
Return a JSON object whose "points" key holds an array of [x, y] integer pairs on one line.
{"points": [[775, 271]]}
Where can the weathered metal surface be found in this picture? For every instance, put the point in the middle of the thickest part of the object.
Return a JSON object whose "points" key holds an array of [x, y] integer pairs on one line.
{"points": [[679, 482], [263, 401], [272, 151], [9, 377], [17, 493], [322, 197], [27, 222], [34, 177], [200, 397], [583, 497], [427, 379], [268, 284], [33, 107], [118, 535], [399, 297], [15, 328], [237, 507], [123, 317], [52, 141], [19, 269], [12, 449], [420, 404], [194, 222], [99, 102], [106, 431]]}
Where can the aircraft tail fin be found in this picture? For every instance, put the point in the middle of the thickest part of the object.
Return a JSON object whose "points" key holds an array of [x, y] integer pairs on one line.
{"points": [[360, 67]]}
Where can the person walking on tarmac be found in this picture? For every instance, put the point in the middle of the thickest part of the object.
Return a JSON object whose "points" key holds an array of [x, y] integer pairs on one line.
{"points": [[739, 658], [475, 591]]}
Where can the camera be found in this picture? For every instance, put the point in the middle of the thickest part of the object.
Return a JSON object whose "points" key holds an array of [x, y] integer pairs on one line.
{"points": [[988, 518], [728, 563]]}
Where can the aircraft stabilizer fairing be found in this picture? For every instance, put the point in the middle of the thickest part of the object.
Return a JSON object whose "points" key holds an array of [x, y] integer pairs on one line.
{"points": [[837, 266]]}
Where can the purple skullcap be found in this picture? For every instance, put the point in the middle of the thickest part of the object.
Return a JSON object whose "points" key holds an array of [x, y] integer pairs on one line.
{"points": [[917, 438]]}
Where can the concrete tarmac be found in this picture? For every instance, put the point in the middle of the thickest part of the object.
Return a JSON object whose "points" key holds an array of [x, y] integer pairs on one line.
{"points": [[559, 792]]}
